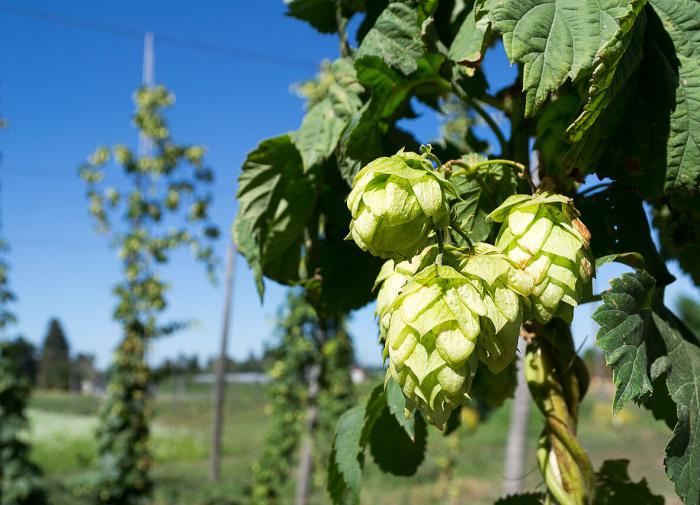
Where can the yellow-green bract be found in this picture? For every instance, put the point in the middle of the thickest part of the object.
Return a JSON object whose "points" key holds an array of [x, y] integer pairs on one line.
{"points": [[395, 203], [439, 317], [544, 237]]}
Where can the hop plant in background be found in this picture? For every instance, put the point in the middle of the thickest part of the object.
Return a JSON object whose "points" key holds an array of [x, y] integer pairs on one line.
{"points": [[442, 315], [543, 236], [395, 203]]}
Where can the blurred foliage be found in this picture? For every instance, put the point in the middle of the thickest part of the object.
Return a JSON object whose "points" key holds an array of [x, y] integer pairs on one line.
{"points": [[296, 350], [164, 205], [19, 478]]}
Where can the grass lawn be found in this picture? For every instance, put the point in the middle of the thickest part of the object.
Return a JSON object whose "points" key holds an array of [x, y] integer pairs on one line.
{"points": [[62, 427]]}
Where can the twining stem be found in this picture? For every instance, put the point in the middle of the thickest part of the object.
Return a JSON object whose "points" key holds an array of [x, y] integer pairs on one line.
{"points": [[467, 167], [488, 119], [441, 247], [558, 380], [342, 21], [457, 229]]}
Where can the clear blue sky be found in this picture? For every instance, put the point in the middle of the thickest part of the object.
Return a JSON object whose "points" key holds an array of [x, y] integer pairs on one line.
{"points": [[65, 87]]}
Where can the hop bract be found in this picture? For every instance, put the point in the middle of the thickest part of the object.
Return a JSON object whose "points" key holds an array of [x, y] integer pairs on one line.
{"points": [[543, 236], [440, 317], [391, 279], [395, 203]]}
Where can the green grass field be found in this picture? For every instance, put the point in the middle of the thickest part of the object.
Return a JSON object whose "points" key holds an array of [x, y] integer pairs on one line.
{"points": [[62, 427]]}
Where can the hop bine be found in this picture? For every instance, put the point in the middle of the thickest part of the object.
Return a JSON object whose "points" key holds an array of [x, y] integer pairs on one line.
{"points": [[395, 203], [442, 320], [543, 236]]}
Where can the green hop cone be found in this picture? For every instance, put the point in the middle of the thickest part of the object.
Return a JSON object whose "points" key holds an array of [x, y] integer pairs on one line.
{"points": [[440, 317], [543, 236], [391, 279], [395, 203]]}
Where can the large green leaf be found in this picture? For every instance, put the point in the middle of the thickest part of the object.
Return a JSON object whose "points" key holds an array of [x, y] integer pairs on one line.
{"points": [[492, 390], [614, 486], [481, 190], [319, 133], [371, 132], [681, 365], [467, 48], [608, 214], [395, 38], [337, 98], [681, 19], [625, 336], [663, 95], [348, 276], [678, 221], [522, 499], [614, 64], [555, 39], [398, 446], [391, 447], [347, 457], [318, 13], [633, 316], [275, 200], [396, 402], [551, 123]]}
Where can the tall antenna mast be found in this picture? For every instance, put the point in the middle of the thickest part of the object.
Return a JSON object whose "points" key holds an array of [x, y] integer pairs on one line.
{"points": [[148, 81]]}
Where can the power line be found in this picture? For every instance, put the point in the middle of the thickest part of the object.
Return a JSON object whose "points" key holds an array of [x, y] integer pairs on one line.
{"points": [[172, 40]]}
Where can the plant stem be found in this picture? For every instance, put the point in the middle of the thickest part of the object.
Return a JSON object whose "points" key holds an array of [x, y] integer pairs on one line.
{"points": [[497, 161], [441, 247], [519, 145], [483, 113], [461, 233], [558, 379], [341, 21]]}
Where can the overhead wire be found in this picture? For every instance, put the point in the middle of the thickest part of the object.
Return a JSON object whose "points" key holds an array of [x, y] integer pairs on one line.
{"points": [[163, 38]]}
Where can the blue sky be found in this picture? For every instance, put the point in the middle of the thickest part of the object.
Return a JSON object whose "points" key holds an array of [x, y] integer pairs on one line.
{"points": [[66, 86]]}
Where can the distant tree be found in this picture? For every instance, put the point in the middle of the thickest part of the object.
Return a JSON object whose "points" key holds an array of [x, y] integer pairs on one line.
{"points": [[82, 369], [54, 366], [25, 355], [689, 311]]}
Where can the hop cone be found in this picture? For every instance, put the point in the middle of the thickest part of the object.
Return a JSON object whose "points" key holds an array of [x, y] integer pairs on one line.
{"points": [[440, 317], [391, 279], [543, 236], [395, 203]]}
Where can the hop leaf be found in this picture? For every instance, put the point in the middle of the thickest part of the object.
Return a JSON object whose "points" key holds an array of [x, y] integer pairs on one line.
{"points": [[543, 236], [443, 314], [395, 203]]}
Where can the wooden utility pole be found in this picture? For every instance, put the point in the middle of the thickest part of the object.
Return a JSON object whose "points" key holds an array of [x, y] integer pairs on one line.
{"points": [[148, 80], [516, 446], [306, 453], [220, 384]]}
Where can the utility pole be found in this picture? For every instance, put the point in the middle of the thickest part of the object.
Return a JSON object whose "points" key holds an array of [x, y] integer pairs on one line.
{"points": [[148, 80], [220, 385], [516, 445]]}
